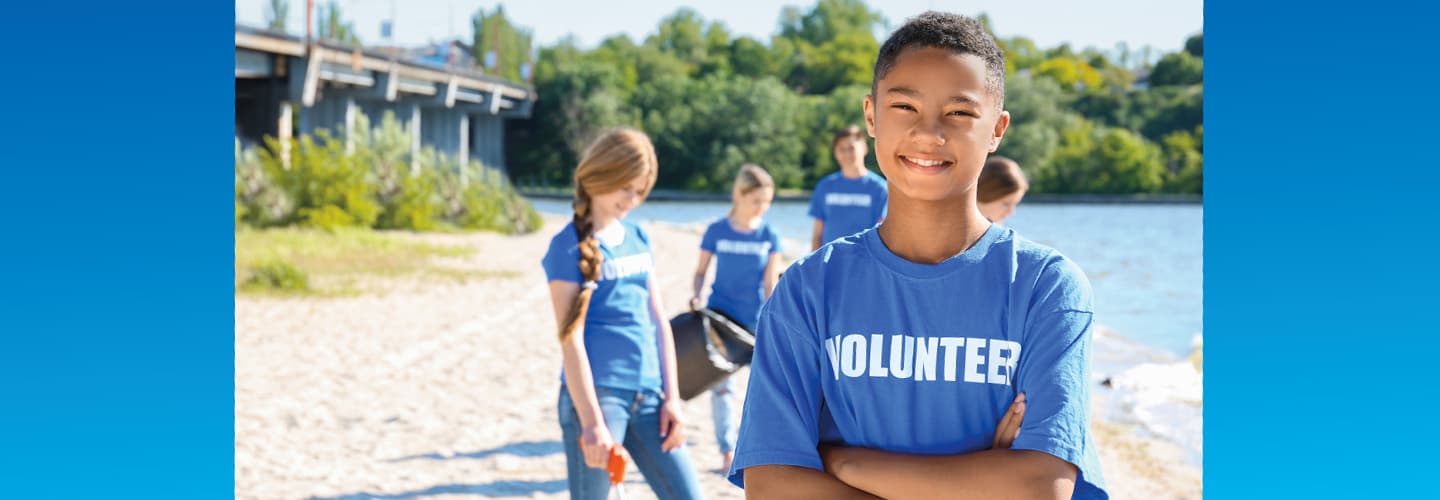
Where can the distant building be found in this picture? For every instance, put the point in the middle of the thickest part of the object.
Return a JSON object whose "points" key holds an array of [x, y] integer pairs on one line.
{"points": [[1142, 78], [283, 87]]}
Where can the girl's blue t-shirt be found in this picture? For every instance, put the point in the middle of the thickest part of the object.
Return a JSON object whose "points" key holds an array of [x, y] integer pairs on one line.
{"points": [[740, 259], [848, 206], [860, 347], [620, 339]]}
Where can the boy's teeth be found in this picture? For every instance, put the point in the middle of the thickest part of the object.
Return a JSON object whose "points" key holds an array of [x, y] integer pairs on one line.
{"points": [[927, 163]]}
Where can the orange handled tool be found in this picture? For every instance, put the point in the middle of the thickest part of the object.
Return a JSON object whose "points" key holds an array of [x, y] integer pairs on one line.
{"points": [[616, 468], [617, 471]]}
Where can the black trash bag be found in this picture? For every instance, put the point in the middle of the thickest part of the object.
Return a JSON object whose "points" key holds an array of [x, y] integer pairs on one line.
{"points": [[709, 346]]}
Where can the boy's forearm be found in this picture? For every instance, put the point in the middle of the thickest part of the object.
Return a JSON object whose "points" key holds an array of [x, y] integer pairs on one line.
{"points": [[786, 481], [999, 473]]}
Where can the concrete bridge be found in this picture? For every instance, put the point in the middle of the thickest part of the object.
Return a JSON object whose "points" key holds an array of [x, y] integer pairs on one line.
{"points": [[284, 86]]}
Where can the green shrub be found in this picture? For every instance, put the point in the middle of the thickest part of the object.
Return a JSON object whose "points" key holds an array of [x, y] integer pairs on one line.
{"points": [[258, 202], [377, 183], [322, 175], [277, 274]]}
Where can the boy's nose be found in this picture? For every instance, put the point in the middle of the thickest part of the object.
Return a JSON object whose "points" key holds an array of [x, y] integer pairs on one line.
{"points": [[929, 132]]}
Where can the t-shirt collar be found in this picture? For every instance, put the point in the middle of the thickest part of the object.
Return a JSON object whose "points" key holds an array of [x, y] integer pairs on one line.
{"points": [[976, 252]]}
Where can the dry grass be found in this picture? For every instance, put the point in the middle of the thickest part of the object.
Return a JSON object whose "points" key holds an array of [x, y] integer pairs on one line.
{"points": [[343, 263]]}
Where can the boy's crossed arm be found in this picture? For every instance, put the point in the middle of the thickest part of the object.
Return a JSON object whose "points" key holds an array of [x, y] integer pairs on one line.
{"points": [[855, 472], [789, 481], [994, 473]]}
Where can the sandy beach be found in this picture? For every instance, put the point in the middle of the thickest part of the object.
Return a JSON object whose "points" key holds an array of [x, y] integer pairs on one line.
{"points": [[434, 388]]}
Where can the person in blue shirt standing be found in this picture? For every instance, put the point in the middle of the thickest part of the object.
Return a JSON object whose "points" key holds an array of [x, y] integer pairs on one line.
{"points": [[851, 200], [746, 251], [889, 363], [619, 379]]}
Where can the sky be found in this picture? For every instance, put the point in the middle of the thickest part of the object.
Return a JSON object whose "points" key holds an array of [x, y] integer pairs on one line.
{"points": [[1163, 25]]}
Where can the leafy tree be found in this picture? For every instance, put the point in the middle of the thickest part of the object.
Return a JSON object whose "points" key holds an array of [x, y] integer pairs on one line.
{"points": [[704, 130], [848, 59], [828, 20], [1036, 117], [712, 101], [493, 33], [835, 42], [1184, 161], [333, 26], [1021, 53], [1184, 111], [1093, 159], [1070, 72], [1178, 68], [277, 12], [682, 35]]}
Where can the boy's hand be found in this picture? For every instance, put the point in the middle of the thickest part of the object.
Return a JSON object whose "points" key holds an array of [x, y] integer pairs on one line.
{"points": [[694, 303], [1009, 426]]}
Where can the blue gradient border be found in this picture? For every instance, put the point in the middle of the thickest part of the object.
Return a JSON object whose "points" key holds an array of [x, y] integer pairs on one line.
{"points": [[116, 374], [1320, 235]]}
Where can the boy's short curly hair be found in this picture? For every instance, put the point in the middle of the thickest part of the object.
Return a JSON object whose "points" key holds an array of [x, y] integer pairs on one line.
{"points": [[953, 32]]}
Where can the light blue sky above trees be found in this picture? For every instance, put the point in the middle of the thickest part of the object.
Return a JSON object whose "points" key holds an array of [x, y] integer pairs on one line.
{"points": [[1098, 23]]}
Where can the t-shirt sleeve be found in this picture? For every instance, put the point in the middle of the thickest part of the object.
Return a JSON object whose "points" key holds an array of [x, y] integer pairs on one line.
{"points": [[1053, 373], [644, 235], [707, 242], [775, 244], [562, 260], [817, 202], [780, 424]]}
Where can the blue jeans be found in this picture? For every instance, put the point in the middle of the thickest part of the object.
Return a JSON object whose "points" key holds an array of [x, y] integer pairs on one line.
{"points": [[633, 419], [722, 410]]}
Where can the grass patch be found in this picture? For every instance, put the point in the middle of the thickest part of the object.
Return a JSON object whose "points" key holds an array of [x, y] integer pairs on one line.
{"points": [[278, 275], [326, 263], [463, 276]]}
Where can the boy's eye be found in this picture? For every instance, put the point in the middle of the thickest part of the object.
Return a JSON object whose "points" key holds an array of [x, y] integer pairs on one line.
{"points": [[903, 106], [964, 113]]}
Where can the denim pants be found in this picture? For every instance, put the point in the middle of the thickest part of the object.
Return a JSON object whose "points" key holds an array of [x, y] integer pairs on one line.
{"points": [[633, 419], [722, 410]]}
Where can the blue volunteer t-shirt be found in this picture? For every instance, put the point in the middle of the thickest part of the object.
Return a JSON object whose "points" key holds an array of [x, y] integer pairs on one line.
{"points": [[848, 206], [860, 347], [619, 332], [740, 259]]}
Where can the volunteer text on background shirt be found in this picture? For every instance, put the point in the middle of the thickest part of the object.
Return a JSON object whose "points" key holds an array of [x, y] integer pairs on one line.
{"points": [[740, 260], [846, 205], [619, 334]]}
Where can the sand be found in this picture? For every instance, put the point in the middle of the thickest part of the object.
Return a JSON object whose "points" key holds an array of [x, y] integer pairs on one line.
{"points": [[448, 389]]}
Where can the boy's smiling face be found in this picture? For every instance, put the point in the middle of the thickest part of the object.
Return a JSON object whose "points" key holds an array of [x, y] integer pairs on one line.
{"points": [[934, 123]]}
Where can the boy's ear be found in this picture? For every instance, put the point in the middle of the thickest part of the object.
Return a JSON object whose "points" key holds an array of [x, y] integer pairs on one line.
{"points": [[1002, 124], [870, 115]]}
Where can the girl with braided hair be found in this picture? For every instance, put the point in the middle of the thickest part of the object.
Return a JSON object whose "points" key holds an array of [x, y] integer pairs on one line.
{"points": [[618, 386]]}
